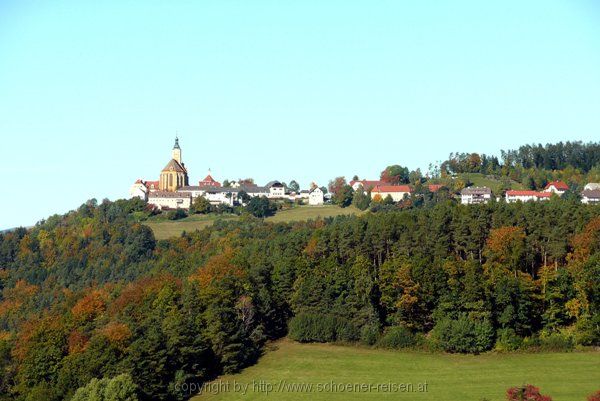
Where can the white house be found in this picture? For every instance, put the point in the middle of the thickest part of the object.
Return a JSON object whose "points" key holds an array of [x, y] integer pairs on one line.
{"points": [[591, 186], [276, 189], [139, 190], [590, 196], [474, 195], [170, 200], [526, 196], [315, 197], [557, 187], [397, 192]]}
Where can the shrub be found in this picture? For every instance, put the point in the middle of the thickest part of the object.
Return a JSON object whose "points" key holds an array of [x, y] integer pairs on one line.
{"points": [[369, 334], [176, 214], [587, 331], [594, 396], [463, 335], [508, 340], [308, 327], [261, 207], [119, 388], [526, 393], [556, 342], [397, 337]]}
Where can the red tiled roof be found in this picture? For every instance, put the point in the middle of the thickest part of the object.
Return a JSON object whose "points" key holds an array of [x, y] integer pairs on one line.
{"points": [[514, 192], [558, 185], [367, 183], [434, 187], [151, 183], [209, 181], [392, 188]]}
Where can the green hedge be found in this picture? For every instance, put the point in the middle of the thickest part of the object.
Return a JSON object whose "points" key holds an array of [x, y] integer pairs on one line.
{"points": [[308, 327], [463, 335], [397, 337]]}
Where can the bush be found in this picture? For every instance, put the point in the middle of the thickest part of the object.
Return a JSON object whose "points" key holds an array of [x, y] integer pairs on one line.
{"points": [[587, 331], [176, 214], [594, 396], [526, 393], [463, 335], [508, 340], [307, 327], [369, 334], [397, 337], [556, 342], [201, 205], [261, 207], [119, 388]]}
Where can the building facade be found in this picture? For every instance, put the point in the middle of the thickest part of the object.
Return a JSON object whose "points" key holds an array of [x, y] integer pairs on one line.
{"points": [[475, 195]]}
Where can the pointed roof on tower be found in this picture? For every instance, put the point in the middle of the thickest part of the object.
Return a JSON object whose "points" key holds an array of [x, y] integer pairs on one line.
{"points": [[176, 146]]}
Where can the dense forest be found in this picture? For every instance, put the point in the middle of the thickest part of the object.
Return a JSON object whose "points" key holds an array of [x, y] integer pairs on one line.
{"points": [[91, 301]]}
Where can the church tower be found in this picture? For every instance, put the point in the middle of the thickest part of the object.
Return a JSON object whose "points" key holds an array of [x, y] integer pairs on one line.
{"points": [[174, 175], [177, 151]]}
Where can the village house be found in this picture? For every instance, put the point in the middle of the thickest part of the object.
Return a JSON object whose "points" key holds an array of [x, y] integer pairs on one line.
{"points": [[139, 190], [557, 187], [276, 189], [208, 181], [396, 192], [475, 195], [590, 196], [316, 196], [434, 187], [367, 185], [512, 196], [170, 200]]}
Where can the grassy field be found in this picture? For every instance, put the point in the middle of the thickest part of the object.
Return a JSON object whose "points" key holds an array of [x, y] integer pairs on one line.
{"points": [[163, 228], [481, 180], [564, 376], [311, 212]]}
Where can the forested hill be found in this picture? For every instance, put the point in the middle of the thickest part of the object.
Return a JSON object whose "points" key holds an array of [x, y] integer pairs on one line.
{"points": [[92, 295]]}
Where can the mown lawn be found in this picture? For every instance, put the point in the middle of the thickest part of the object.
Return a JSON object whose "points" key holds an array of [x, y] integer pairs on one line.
{"points": [[564, 376], [164, 228]]}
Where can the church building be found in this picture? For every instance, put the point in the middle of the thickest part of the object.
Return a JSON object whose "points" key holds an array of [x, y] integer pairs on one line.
{"points": [[174, 175]]}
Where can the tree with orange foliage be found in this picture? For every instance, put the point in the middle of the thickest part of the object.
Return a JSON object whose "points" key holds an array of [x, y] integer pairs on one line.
{"points": [[216, 268], [505, 247], [116, 332], [90, 306]]}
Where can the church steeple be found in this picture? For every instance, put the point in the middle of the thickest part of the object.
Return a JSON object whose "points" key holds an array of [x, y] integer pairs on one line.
{"points": [[177, 150]]}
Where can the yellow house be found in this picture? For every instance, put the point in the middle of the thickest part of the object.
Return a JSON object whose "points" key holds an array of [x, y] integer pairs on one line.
{"points": [[174, 175]]}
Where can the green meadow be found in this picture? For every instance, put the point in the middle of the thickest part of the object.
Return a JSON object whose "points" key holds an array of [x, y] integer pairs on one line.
{"points": [[288, 369], [164, 228]]}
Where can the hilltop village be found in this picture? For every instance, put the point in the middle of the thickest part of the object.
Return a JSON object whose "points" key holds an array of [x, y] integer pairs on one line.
{"points": [[173, 190]]}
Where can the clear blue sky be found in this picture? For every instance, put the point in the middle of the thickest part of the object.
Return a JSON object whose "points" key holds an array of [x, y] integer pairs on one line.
{"points": [[92, 92]]}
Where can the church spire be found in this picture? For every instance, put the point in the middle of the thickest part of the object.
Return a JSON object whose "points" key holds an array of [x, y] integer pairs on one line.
{"points": [[177, 151]]}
